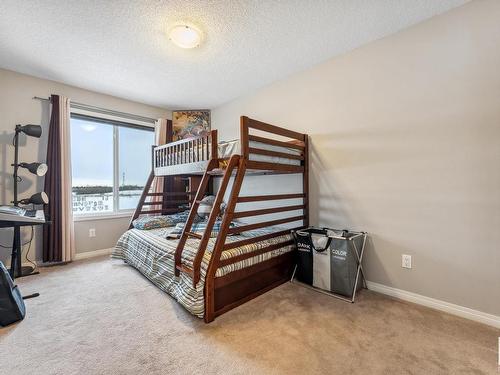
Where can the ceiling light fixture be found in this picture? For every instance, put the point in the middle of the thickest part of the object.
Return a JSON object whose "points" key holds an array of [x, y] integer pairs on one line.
{"points": [[185, 36]]}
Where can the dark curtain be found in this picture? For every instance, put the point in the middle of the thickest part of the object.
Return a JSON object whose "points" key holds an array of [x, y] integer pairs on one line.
{"points": [[52, 234]]}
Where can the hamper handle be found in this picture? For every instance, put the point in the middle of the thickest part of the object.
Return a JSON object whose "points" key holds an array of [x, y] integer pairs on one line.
{"points": [[323, 249], [308, 234]]}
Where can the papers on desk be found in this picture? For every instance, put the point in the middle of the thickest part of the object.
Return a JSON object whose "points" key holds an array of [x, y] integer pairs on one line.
{"points": [[25, 217]]}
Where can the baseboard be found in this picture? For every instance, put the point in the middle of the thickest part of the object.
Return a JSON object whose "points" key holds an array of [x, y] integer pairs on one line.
{"points": [[450, 308], [78, 256], [94, 253]]}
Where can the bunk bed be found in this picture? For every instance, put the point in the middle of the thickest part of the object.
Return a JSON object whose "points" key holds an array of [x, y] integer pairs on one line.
{"points": [[211, 274]]}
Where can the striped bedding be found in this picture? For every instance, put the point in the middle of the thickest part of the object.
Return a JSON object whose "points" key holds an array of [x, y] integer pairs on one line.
{"points": [[150, 252]]}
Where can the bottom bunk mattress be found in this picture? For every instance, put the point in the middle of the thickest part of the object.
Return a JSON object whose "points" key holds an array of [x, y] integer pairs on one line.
{"points": [[150, 252]]}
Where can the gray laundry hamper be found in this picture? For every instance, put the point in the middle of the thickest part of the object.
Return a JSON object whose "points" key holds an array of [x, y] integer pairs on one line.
{"points": [[330, 261]]}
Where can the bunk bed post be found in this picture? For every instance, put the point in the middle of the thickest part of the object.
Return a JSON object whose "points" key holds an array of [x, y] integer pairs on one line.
{"points": [[214, 151], [220, 242], [244, 136], [153, 158], [168, 181], [305, 180]]}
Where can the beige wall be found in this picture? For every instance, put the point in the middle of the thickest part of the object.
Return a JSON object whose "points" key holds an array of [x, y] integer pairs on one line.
{"points": [[18, 107], [405, 136]]}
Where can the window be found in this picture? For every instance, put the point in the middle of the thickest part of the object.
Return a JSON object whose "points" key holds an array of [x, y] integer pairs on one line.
{"points": [[134, 164], [110, 163]]}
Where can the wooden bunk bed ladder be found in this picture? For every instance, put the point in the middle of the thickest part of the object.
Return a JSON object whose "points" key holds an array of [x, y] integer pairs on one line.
{"points": [[196, 270], [220, 242], [189, 223]]}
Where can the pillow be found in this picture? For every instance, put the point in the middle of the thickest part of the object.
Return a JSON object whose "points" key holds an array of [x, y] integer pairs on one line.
{"points": [[198, 228], [206, 205], [161, 221]]}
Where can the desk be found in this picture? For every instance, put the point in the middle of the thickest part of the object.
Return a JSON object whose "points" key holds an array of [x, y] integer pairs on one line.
{"points": [[16, 256]]}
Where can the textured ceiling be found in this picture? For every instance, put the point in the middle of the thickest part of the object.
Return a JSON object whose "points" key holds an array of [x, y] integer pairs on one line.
{"points": [[121, 47]]}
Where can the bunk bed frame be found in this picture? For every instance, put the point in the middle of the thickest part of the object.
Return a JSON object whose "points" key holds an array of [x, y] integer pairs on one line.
{"points": [[196, 156]]}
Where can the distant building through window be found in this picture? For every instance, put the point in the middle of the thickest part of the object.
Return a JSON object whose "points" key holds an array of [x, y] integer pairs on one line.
{"points": [[110, 163]]}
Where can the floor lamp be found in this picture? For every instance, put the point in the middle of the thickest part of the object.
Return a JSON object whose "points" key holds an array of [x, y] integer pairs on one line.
{"points": [[38, 169]]}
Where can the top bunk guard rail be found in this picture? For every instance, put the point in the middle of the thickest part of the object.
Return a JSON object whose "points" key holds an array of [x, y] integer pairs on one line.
{"points": [[251, 145], [265, 153], [168, 159]]}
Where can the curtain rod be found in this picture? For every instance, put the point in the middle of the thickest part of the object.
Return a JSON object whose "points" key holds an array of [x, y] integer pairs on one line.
{"points": [[105, 111]]}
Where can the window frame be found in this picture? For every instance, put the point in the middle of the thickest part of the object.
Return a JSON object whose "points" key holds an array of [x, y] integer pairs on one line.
{"points": [[116, 123]]}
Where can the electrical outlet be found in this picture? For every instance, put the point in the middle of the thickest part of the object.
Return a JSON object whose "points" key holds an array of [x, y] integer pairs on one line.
{"points": [[406, 261], [92, 232]]}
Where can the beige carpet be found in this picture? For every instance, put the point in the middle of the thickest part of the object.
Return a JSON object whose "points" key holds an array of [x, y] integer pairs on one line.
{"points": [[102, 317]]}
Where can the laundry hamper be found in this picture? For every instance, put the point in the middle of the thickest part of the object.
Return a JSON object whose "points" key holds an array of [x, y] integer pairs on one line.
{"points": [[330, 260]]}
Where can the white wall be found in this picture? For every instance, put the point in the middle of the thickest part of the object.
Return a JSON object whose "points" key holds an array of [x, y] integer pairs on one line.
{"points": [[405, 144], [18, 107]]}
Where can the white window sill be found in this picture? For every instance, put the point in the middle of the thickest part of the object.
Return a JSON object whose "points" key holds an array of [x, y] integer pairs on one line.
{"points": [[107, 216]]}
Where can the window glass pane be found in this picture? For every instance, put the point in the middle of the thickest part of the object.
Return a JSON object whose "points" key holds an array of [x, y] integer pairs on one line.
{"points": [[92, 166], [134, 164]]}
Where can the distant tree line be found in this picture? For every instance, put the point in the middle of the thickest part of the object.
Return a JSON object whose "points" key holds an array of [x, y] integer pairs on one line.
{"points": [[103, 189]]}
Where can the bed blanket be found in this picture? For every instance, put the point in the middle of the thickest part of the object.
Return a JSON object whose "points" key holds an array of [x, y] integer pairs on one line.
{"points": [[150, 252]]}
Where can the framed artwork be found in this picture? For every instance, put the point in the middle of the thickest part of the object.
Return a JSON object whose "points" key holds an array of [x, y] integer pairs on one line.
{"points": [[189, 124]]}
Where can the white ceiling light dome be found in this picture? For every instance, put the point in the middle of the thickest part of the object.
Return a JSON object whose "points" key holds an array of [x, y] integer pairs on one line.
{"points": [[185, 36]]}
